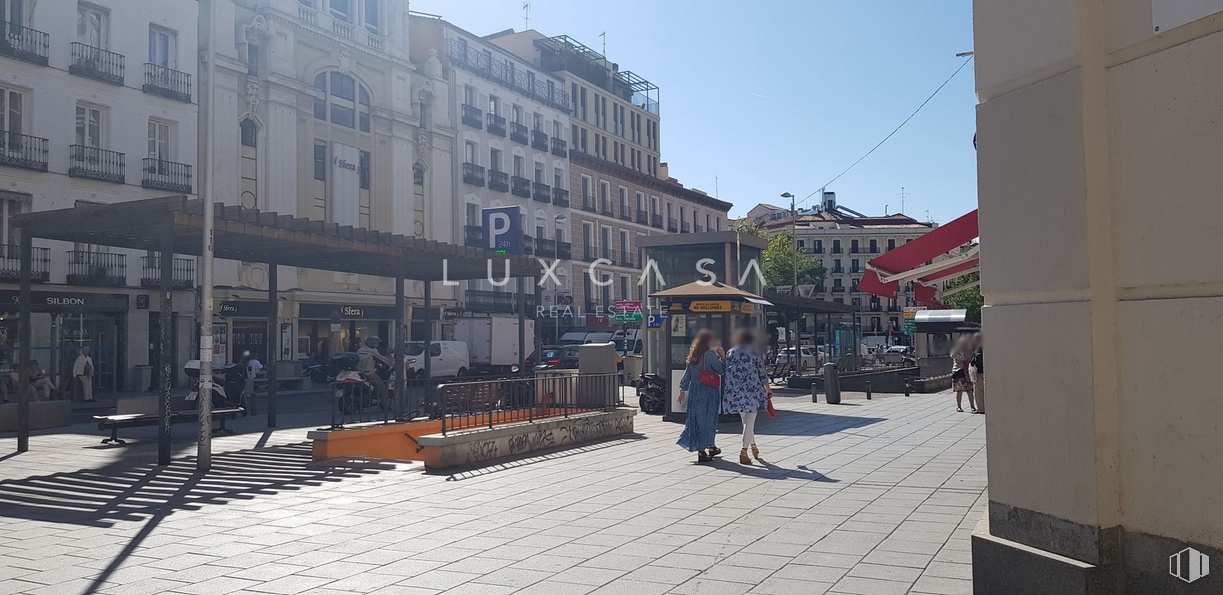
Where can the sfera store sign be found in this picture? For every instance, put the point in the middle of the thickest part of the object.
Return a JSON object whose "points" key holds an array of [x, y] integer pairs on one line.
{"points": [[62, 301], [339, 312]]}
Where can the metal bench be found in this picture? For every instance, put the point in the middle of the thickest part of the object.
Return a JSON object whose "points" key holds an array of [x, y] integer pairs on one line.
{"points": [[778, 372], [135, 420]]}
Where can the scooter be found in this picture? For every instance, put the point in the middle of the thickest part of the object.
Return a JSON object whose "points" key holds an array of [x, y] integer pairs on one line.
{"points": [[353, 392], [229, 381], [652, 394]]}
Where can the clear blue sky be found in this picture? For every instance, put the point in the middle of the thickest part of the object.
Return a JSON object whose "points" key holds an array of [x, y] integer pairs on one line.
{"points": [[773, 96]]}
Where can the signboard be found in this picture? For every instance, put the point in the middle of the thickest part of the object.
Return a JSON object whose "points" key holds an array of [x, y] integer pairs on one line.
{"points": [[1169, 14], [142, 302], [628, 312], [806, 290], [627, 306], [910, 320], [243, 309], [502, 229], [656, 321], [345, 183], [337, 312], [64, 301], [679, 326], [747, 308], [709, 306]]}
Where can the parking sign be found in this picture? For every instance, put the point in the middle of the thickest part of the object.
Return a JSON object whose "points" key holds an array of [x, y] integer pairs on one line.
{"points": [[501, 230]]}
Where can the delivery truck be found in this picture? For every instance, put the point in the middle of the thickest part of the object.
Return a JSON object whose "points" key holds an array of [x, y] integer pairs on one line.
{"points": [[492, 342]]}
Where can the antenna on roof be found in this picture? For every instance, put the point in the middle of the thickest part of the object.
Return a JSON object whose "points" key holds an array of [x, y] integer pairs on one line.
{"points": [[526, 15], [903, 196], [715, 186]]}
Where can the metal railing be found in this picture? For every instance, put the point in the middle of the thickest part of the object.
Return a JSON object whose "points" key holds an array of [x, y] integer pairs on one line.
{"points": [[528, 245], [167, 82], [166, 175], [543, 192], [545, 247], [496, 124], [518, 133], [473, 235], [564, 250], [625, 214], [182, 277], [96, 164], [685, 227], [23, 151], [504, 73], [473, 174], [24, 43], [472, 116], [560, 148], [656, 221], [643, 218], [97, 64], [498, 180], [358, 402], [539, 140], [672, 224], [488, 403], [520, 186], [606, 209], [97, 268], [560, 197], [10, 263]]}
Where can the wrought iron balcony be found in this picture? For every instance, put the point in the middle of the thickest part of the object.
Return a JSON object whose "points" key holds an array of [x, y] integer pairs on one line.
{"points": [[539, 140], [560, 147], [166, 175], [528, 245], [698, 229], [473, 235], [496, 124], [498, 180], [836, 251], [672, 224], [588, 253], [97, 268], [560, 197], [472, 116], [96, 164], [685, 227], [564, 250], [473, 174], [520, 186], [543, 192], [486, 66], [10, 263], [182, 272], [493, 302], [97, 64], [518, 133], [23, 151], [606, 209], [626, 259], [24, 43], [838, 270], [588, 204], [643, 218], [838, 289], [625, 214], [656, 221], [167, 82], [545, 247]]}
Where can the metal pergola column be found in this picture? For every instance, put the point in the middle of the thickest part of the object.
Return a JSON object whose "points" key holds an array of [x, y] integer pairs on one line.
{"points": [[273, 354], [24, 334], [166, 261], [401, 339]]}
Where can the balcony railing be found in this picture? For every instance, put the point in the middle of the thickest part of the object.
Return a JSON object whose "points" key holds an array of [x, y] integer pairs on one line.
{"points": [[496, 124], [626, 259], [23, 151], [167, 82], [539, 140], [564, 250], [498, 180], [625, 214], [698, 229], [520, 186], [472, 116], [588, 204], [496, 302], [10, 263], [838, 289], [182, 272], [166, 175], [560, 197], [672, 224], [96, 164], [97, 268], [643, 217], [518, 133], [24, 43], [588, 254], [606, 209], [656, 221], [528, 245], [543, 192], [473, 174], [520, 80], [560, 147], [473, 235], [836, 251], [545, 247], [685, 227], [838, 270], [97, 64]]}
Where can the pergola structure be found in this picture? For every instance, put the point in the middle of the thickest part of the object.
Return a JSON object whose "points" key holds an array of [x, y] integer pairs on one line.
{"points": [[175, 225]]}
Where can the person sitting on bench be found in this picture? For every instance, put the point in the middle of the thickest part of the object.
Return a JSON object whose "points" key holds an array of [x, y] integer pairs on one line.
{"points": [[41, 387]]}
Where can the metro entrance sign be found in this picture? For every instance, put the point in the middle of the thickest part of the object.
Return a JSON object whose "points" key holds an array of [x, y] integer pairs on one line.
{"points": [[910, 321], [628, 312]]}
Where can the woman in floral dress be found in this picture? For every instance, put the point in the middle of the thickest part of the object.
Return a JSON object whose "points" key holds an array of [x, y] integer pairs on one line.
{"points": [[701, 421], [747, 389]]}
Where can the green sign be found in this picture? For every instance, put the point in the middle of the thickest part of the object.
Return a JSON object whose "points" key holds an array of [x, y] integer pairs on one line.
{"points": [[629, 317]]}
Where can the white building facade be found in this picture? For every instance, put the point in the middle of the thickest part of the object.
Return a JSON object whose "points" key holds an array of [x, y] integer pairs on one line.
{"points": [[98, 103]]}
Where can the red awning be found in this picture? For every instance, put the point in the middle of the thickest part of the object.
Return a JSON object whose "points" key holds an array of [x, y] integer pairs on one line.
{"points": [[916, 253]]}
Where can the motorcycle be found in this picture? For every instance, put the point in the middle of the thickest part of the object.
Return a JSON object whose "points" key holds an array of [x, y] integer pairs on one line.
{"points": [[228, 384], [353, 392], [652, 394]]}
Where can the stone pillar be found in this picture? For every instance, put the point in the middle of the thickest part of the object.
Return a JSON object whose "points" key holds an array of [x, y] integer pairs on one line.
{"points": [[1102, 136]]}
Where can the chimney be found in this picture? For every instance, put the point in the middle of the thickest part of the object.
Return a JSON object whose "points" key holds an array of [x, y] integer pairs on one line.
{"points": [[663, 171]]}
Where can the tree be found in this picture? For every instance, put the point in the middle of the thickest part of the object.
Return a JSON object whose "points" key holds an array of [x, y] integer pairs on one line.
{"points": [[781, 256], [969, 299]]}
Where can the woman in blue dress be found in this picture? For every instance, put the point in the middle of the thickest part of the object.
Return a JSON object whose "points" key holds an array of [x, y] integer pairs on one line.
{"points": [[747, 389], [704, 401]]}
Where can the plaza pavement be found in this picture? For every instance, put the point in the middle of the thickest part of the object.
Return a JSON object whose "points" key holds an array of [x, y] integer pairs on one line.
{"points": [[868, 497]]}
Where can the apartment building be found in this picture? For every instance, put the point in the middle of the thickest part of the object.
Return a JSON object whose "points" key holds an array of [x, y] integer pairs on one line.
{"points": [[511, 123], [77, 124], [322, 114], [844, 241]]}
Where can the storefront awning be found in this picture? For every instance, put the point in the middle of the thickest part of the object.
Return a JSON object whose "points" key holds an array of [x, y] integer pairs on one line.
{"points": [[907, 262]]}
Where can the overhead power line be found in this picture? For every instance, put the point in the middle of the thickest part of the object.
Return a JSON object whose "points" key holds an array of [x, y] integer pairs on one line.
{"points": [[893, 132]]}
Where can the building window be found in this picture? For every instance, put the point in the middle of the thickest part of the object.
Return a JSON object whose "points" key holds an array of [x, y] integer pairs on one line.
{"points": [[320, 160], [891, 244], [89, 126], [623, 200], [371, 15], [346, 102], [11, 203], [339, 8], [249, 133], [363, 170], [162, 47], [159, 141], [92, 24], [12, 111]]}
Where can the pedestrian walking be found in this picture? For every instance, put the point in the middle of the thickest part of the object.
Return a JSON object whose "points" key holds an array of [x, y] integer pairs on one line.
{"points": [[702, 382], [82, 372], [747, 389], [978, 366], [961, 355]]}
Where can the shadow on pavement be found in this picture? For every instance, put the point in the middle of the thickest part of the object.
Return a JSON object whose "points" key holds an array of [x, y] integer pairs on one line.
{"points": [[766, 470]]}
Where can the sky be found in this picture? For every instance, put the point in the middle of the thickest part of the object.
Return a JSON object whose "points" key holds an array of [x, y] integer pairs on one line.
{"points": [[770, 96]]}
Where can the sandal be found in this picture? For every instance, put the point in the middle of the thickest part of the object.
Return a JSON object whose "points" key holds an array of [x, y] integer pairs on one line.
{"points": [[959, 410], [755, 451], [701, 457], [714, 451]]}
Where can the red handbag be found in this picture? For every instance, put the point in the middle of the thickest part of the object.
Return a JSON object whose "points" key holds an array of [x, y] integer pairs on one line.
{"points": [[709, 378], [772, 412]]}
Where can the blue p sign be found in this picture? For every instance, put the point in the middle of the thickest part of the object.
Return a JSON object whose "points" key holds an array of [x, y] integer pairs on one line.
{"points": [[501, 229]]}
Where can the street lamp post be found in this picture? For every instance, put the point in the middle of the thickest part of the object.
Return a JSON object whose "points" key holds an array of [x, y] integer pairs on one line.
{"points": [[794, 287]]}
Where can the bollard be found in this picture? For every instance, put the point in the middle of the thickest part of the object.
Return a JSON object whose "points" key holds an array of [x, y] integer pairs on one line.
{"points": [[832, 384], [815, 391], [868, 390], [908, 386]]}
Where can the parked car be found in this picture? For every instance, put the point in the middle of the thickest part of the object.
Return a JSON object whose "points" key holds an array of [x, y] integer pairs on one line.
{"points": [[448, 358], [810, 361], [564, 357]]}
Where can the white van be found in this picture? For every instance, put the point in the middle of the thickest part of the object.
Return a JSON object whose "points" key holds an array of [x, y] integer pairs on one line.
{"points": [[582, 338], [448, 358]]}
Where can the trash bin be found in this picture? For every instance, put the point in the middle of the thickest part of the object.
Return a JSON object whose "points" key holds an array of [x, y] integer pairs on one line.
{"points": [[143, 378], [832, 384]]}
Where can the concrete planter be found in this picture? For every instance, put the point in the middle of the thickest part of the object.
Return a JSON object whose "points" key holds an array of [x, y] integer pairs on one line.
{"points": [[481, 446], [43, 414]]}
